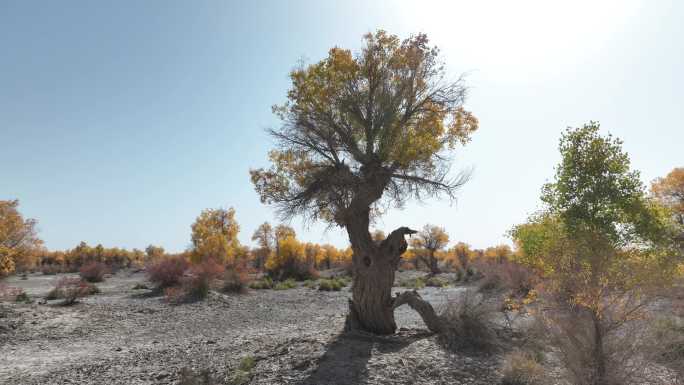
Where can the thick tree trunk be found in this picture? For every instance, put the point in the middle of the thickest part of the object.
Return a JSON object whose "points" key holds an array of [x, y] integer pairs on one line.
{"points": [[599, 356], [372, 306]]}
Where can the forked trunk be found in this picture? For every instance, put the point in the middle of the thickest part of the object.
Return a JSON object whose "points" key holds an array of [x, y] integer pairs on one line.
{"points": [[372, 306]]}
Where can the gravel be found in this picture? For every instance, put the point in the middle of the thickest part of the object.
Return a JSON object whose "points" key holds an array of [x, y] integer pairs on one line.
{"points": [[129, 336]]}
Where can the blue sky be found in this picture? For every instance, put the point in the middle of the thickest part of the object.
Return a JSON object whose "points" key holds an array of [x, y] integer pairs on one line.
{"points": [[121, 121]]}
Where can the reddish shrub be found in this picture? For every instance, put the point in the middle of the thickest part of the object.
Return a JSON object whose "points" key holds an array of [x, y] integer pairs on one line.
{"points": [[167, 272], [71, 289], [174, 294], [10, 293], [93, 271], [200, 277], [235, 281]]}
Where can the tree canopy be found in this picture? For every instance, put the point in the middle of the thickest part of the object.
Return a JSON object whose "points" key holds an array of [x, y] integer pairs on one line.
{"points": [[214, 235], [359, 127], [18, 237], [670, 192]]}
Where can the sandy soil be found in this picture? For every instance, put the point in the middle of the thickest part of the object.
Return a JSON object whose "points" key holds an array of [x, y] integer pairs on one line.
{"points": [[126, 336]]}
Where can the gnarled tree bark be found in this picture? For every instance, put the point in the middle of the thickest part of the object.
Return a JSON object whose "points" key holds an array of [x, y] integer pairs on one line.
{"points": [[372, 305]]}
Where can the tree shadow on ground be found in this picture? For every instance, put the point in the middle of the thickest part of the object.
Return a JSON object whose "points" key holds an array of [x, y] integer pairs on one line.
{"points": [[346, 357]]}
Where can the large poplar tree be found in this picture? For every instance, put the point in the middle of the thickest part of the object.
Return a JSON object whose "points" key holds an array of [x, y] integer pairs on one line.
{"points": [[361, 133]]}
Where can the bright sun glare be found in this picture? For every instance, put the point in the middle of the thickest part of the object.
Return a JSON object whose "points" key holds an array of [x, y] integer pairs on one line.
{"points": [[513, 39]]}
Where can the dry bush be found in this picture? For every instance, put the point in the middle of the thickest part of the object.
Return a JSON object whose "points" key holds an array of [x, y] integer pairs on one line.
{"points": [[199, 278], [333, 284], [261, 284], [413, 283], [71, 289], [293, 269], [506, 275], [668, 342], [93, 271], [51, 269], [175, 295], [468, 324], [285, 285], [522, 368], [11, 293], [622, 346], [167, 272], [436, 282], [234, 281]]}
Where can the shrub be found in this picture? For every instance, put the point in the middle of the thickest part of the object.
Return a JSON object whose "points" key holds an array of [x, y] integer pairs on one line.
{"points": [[436, 282], [468, 324], [93, 271], [71, 289], [491, 283], [460, 274], [290, 262], [196, 284], [329, 285], [521, 368], [22, 297], [175, 294], [247, 364], [234, 281], [264, 283], [507, 275], [287, 284], [471, 272], [50, 269], [11, 293], [243, 373], [309, 283], [167, 272], [415, 283], [669, 337]]}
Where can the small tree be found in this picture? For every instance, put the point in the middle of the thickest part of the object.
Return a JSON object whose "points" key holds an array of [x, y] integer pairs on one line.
{"points": [[432, 239], [360, 128], [463, 254], [670, 191], [290, 261], [153, 253], [265, 238], [601, 244], [214, 236], [18, 239], [498, 254]]}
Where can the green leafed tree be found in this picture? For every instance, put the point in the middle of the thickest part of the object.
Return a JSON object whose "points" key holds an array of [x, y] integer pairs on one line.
{"points": [[602, 245], [360, 133]]}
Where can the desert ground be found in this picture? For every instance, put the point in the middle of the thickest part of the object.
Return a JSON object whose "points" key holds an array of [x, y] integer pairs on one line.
{"points": [[128, 336]]}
